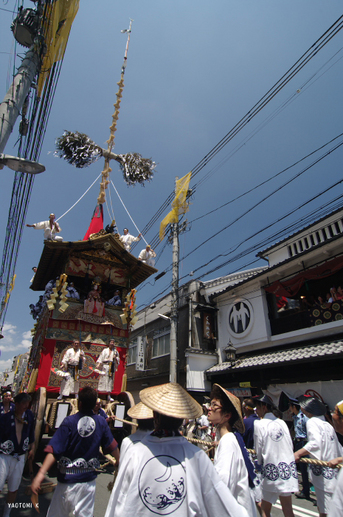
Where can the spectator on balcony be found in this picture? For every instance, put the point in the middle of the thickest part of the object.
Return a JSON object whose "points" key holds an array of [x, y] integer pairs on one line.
{"points": [[339, 293], [333, 294], [329, 299]]}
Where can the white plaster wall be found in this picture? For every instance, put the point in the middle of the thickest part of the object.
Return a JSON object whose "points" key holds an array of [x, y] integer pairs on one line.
{"points": [[197, 364], [259, 328]]}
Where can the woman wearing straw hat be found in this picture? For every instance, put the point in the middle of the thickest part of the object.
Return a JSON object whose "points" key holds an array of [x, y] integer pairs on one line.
{"points": [[145, 419], [165, 474], [322, 444], [225, 413], [274, 451]]}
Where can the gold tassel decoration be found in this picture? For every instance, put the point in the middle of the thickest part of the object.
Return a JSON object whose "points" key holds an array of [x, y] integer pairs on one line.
{"points": [[124, 383], [63, 297]]}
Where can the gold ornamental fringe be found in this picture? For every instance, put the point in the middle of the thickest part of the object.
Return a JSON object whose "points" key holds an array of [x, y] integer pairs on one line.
{"points": [[33, 380]]}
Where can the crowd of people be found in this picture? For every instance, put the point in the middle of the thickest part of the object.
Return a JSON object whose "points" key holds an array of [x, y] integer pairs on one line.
{"points": [[161, 472], [322, 301]]}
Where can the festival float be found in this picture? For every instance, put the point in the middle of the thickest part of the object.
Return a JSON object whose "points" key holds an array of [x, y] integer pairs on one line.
{"points": [[97, 267]]}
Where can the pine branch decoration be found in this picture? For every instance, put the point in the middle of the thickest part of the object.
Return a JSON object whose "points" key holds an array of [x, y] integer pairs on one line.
{"points": [[78, 149], [136, 169]]}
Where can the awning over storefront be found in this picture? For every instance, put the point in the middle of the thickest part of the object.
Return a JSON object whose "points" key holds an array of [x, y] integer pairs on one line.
{"points": [[328, 350], [291, 287]]}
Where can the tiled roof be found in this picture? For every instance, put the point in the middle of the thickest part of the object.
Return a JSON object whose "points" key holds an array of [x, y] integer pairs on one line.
{"points": [[283, 356], [326, 214]]}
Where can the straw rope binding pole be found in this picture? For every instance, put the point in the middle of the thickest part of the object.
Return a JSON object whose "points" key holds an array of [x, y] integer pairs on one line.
{"points": [[110, 142]]}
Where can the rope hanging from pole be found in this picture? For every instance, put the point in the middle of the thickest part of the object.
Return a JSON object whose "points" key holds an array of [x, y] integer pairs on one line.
{"points": [[83, 195], [122, 202]]}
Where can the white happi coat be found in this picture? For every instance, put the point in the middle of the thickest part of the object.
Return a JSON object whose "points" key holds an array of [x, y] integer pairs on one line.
{"points": [[148, 257], [127, 240], [49, 233], [323, 445], [132, 439], [274, 450], [104, 361], [68, 384], [230, 465], [170, 476], [336, 503]]}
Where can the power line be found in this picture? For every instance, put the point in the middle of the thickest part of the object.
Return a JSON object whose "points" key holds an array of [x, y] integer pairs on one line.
{"points": [[271, 93], [265, 198], [270, 238], [266, 181]]}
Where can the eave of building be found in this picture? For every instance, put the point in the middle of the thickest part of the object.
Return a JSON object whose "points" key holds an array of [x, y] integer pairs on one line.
{"points": [[233, 278], [55, 256], [284, 241], [314, 352]]}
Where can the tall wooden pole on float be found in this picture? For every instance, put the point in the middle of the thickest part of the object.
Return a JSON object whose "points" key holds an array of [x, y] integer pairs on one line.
{"points": [[108, 155], [174, 304]]}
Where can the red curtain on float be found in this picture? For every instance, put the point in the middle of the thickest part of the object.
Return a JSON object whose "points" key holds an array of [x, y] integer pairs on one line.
{"points": [[291, 287], [97, 222], [44, 370]]}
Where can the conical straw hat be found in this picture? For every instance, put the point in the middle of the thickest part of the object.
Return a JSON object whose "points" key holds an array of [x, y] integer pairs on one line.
{"points": [[239, 423], [140, 411], [171, 400]]}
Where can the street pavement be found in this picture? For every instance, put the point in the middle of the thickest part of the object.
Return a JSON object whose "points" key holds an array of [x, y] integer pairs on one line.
{"points": [[301, 508]]}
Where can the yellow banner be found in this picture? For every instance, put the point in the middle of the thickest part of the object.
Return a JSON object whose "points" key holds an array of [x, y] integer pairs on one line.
{"points": [[179, 205], [60, 16], [10, 289]]}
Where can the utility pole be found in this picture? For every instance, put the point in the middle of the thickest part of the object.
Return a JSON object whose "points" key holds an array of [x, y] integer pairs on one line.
{"points": [[174, 305], [14, 99]]}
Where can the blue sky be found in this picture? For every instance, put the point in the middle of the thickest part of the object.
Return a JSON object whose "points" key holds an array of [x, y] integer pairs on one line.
{"points": [[194, 70]]}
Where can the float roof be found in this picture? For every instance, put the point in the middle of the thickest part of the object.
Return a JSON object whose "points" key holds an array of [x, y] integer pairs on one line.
{"points": [[106, 249]]}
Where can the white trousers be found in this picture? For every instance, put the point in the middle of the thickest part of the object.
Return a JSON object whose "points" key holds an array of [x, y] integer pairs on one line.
{"points": [[73, 499], [68, 386], [11, 468], [106, 381]]}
